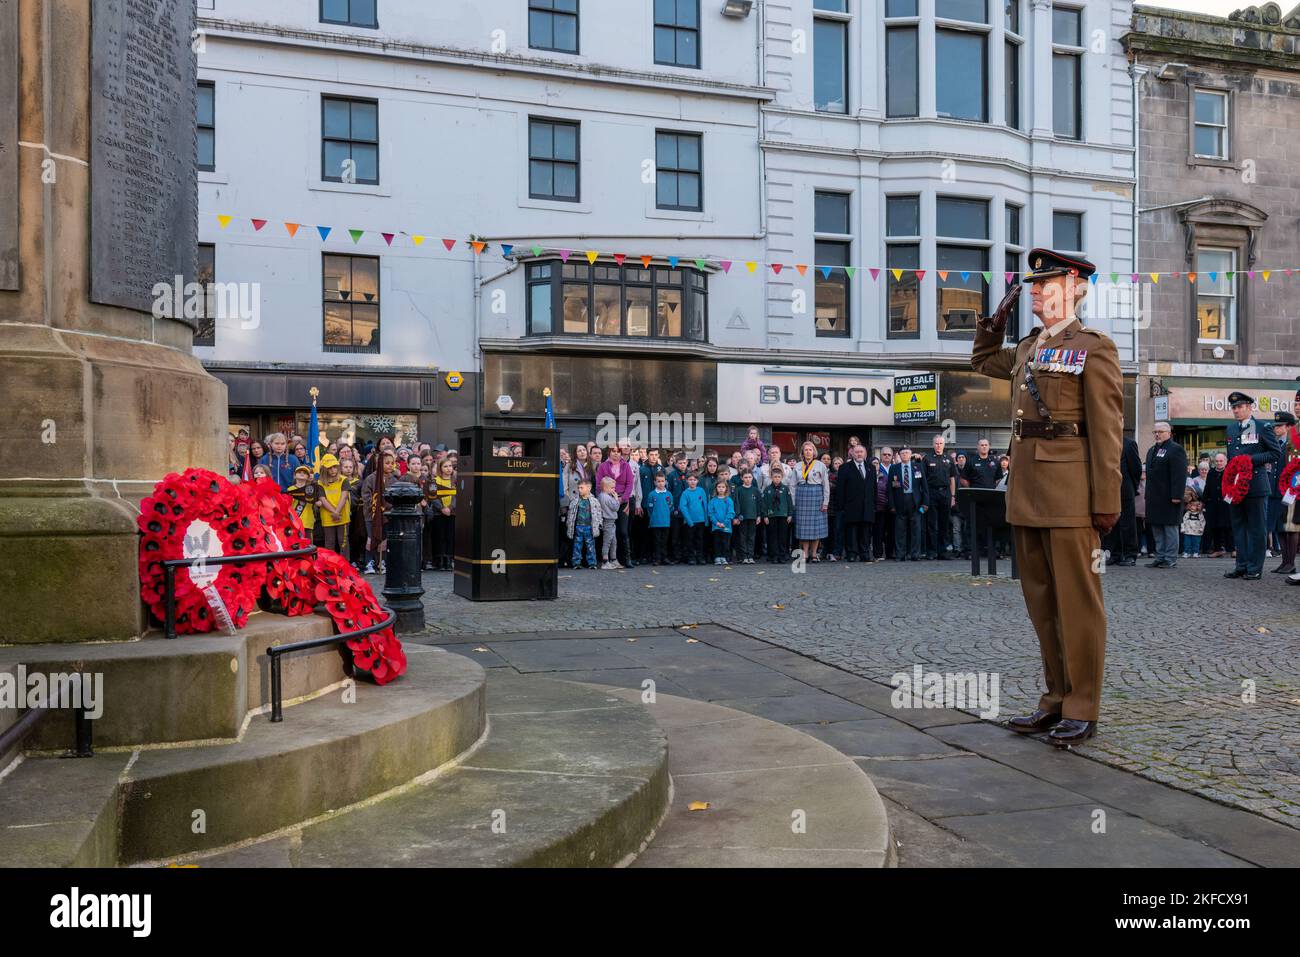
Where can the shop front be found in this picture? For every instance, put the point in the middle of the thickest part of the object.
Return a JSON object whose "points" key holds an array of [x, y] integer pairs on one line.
{"points": [[1198, 410], [352, 407]]}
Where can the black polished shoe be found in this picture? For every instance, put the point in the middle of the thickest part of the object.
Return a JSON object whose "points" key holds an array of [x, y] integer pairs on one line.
{"points": [[1251, 577], [1039, 720], [1284, 569], [1127, 562], [1072, 731], [1235, 573], [1159, 563]]}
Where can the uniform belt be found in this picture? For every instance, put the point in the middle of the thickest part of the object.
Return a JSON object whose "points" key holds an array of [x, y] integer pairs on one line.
{"points": [[1034, 429]]}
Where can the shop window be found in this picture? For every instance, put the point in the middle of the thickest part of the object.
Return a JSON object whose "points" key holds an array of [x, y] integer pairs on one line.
{"points": [[1216, 295], [358, 428], [606, 299], [351, 303], [349, 140]]}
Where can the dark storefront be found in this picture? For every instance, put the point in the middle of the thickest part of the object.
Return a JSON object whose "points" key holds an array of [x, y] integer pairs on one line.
{"points": [[352, 405]]}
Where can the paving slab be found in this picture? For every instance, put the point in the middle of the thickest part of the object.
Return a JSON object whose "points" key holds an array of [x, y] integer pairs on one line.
{"points": [[962, 785], [878, 738], [1068, 837], [808, 707]]}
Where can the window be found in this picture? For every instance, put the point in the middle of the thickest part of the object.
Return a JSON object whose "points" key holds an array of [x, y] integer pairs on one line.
{"points": [[349, 140], [830, 65], [678, 171], [553, 160], [1011, 14], [902, 60], [833, 246], [961, 61], [205, 275], [616, 301], [1067, 72], [1067, 232], [351, 303], [677, 32], [553, 25], [962, 253], [1216, 295], [903, 252], [207, 124], [1210, 126], [1011, 89], [1014, 255], [350, 13], [962, 75]]}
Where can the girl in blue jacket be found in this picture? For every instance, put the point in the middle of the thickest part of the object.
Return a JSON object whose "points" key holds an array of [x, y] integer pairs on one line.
{"points": [[722, 516]]}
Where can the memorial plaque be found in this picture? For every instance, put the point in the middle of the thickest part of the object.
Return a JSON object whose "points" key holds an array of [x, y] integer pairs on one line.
{"points": [[143, 203], [8, 144]]}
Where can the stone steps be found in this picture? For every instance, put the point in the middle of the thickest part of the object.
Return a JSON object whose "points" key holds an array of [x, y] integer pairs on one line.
{"points": [[194, 688], [167, 802], [568, 776]]}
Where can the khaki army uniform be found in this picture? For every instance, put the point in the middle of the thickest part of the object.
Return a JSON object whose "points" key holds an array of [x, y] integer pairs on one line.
{"points": [[1064, 468]]}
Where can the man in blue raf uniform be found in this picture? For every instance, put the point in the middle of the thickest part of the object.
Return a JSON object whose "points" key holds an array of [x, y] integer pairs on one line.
{"points": [[1255, 438]]}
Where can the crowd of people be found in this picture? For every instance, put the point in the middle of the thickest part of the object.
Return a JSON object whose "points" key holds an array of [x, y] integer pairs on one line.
{"points": [[624, 506], [339, 500]]}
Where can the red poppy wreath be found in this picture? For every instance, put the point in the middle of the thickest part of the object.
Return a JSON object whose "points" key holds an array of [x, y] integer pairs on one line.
{"points": [[289, 581], [198, 515], [347, 598], [1236, 479], [1288, 484]]}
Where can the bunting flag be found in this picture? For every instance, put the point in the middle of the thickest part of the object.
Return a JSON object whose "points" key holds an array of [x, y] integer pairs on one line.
{"points": [[228, 221]]}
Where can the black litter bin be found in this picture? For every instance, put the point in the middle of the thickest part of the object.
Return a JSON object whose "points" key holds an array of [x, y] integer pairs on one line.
{"points": [[507, 499]]}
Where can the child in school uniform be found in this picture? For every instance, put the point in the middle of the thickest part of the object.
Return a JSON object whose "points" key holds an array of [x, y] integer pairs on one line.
{"points": [[609, 506], [778, 514], [693, 506], [722, 518], [659, 506], [745, 497], [303, 493], [1193, 526]]}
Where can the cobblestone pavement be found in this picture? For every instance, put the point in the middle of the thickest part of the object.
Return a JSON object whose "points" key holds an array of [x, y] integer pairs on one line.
{"points": [[1185, 646]]}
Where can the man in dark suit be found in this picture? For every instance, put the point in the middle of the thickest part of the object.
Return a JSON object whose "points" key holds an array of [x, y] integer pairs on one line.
{"points": [[1254, 438], [1166, 482], [1122, 542], [911, 500], [856, 483]]}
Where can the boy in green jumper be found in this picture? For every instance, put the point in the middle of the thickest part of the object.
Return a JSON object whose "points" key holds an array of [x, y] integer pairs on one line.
{"points": [[778, 513], [746, 498]]}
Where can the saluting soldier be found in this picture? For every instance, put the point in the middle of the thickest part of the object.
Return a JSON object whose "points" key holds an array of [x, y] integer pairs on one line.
{"points": [[1063, 492], [1255, 438]]}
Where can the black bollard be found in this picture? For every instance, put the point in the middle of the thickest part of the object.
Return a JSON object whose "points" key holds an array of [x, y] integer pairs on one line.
{"points": [[403, 587]]}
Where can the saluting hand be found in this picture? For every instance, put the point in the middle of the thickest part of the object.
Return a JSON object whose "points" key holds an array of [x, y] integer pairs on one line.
{"points": [[998, 321]]}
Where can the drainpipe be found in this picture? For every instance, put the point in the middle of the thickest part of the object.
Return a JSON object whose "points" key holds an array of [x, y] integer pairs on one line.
{"points": [[1135, 73]]}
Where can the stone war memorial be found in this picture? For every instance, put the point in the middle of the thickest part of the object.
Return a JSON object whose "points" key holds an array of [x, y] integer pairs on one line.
{"points": [[791, 434]]}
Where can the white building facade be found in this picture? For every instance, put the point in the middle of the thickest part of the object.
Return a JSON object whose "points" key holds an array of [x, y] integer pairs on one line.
{"points": [[672, 181]]}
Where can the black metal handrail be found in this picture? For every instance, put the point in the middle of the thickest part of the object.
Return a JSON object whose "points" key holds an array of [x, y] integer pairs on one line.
{"points": [[171, 564], [16, 733], [276, 652]]}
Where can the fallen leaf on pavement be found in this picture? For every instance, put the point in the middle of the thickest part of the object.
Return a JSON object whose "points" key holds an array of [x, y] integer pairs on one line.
{"points": [[698, 806]]}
